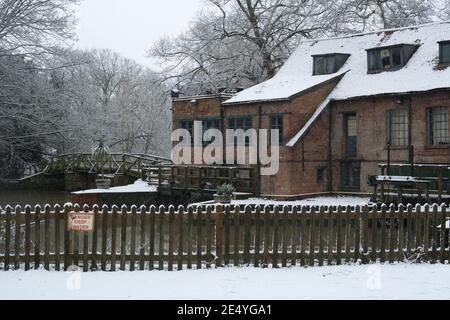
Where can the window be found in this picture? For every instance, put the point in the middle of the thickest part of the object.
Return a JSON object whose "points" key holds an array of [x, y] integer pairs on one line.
{"points": [[398, 128], [438, 126], [350, 133], [351, 175], [389, 58], [276, 123], [444, 52], [210, 124], [328, 63], [244, 123], [188, 125]]}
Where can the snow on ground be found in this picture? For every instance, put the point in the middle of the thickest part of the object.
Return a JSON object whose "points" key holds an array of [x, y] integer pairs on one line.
{"points": [[350, 282], [318, 201], [138, 187]]}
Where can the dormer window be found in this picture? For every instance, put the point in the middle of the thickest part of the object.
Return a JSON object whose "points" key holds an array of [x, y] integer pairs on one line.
{"points": [[444, 52], [389, 58], [328, 63]]}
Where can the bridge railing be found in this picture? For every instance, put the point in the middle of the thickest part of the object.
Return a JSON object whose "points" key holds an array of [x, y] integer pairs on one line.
{"points": [[204, 178], [131, 164]]}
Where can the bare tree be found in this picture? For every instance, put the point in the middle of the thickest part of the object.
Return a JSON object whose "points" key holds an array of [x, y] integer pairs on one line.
{"points": [[367, 15], [238, 43], [30, 32], [241, 42]]}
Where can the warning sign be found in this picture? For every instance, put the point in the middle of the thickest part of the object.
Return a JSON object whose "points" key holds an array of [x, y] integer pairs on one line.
{"points": [[80, 221]]}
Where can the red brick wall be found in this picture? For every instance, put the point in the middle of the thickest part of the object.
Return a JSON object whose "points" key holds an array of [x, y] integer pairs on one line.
{"points": [[298, 165], [372, 131], [295, 175]]}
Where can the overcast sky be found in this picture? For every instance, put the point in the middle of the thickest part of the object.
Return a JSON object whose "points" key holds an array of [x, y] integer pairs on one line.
{"points": [[131, 26]]}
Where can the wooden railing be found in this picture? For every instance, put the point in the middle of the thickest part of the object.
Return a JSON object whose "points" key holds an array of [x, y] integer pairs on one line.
{"points": [[437, 176], [186, 238], [131, 164], [203, 178]]}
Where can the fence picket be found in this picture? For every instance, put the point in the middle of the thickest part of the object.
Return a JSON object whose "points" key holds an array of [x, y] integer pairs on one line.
{"points": [[37, 237], [392, 233], [85, 245], [435, 239], [199, 239], [114, 217], [209, 222], [247, 226], [267, 235], [303, 235], [8, 216], [443, 218], [339, 220], [123, 238], [257, 236], [383, 233], [105, 216], [66, 239], [331, 235], [285, 236], [142, 223], [294, 236], [96, 213], [401, 233], [189, 237], [133, 238], [348, 233], [236, 229], [180, 237], [227, 222], [161, 217], [321, 234], [152, 236], [171, 237], [47, 234], [276, 223], [27, 237]]}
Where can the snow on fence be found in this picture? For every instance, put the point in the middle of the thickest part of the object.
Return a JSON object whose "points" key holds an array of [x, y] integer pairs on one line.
{"points": [[198, 237]]}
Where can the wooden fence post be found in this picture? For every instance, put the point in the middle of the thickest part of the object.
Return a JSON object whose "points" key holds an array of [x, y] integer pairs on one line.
{"points": [[219, 235]]}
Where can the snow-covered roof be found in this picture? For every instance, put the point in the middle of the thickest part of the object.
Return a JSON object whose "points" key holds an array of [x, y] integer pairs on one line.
{"points": [[420, 73]]}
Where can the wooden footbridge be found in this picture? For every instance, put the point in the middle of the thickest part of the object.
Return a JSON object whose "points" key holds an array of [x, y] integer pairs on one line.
{"points": [[135, 165], [158, 171]]}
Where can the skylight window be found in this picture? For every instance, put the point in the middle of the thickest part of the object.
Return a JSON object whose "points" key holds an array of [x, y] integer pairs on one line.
{"points": [[389, 58], [328, 63]]}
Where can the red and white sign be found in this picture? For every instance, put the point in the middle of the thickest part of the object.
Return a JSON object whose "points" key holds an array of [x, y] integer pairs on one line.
{"points": [[80, 221]]}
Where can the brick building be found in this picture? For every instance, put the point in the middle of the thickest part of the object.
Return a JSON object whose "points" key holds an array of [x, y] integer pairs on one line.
{"points": [[339, 103]]}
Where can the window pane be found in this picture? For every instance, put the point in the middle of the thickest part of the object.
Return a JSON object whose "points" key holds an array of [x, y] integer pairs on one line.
{"points": [[386, 59], [276, 123], [445, 51], [351, 126], [396, 57], [331, 64], [374, 61], [320, 63], [399, 124], [439, 126]]}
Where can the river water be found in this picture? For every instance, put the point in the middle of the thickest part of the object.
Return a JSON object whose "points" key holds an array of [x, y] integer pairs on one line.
{"points": [[33, 197]]}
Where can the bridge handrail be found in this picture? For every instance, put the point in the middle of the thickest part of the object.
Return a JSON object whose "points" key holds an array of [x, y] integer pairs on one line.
{"points": [[135, 155]]}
